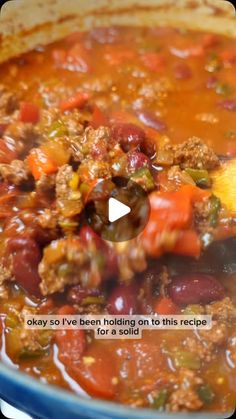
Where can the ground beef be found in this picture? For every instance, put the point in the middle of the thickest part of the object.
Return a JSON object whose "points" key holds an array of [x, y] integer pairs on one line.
{"points": [[16, 172], [186, 396], [48, 219], [68, 262], [5, 274], [95, 169], [65, 262], [131, 258], [3, 292], [202, 222], [63, 178], [102, 84], [89, 309], [157, 90], [197, 346], [179, 177], [74, 122], [216, 336], [32, 342], [69, 202], [222, 310], [183, 400], [22, 137], [196, 154], [92, 143], [54, 124], [46, 184], [9, 101], [206, 342]]}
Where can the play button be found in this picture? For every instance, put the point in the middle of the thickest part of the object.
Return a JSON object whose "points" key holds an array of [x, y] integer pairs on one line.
{"points": [[117, 209]]}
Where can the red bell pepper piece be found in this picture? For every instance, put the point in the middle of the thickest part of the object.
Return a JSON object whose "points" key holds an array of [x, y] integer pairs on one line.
{"points": [[29, 112], [98, 376], [98, 118], [78, 100], [166, 306], [153, 61], [115, 56], [40, 163], [188, 244], [170, 212]]}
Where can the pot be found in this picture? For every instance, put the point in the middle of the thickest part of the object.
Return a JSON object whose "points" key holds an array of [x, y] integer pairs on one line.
{"points": [[25, 24]]}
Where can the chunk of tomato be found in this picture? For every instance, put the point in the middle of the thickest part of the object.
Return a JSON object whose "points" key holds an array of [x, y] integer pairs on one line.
{"points": [[97, 373]]}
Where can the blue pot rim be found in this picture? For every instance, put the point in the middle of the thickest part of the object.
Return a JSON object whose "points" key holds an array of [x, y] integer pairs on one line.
{"points": [[112, 409]]}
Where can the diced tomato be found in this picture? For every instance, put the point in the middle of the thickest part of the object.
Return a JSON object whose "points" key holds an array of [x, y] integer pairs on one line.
{"points": [[210, 40], [114, 56], [172, 210], [188, 244], [166, 306], [71, 345], [153, 61], [78, 100], [97, 373], [6, 154], [98, 118], [75, 59], [29, 112], [71, 342], [59, 57], [47, 306], [40, 163], [196, 194], [74, 37], [66, 309], [186, 51], [231, 150], [169, 211], [121, 116], [228, 56], [78, 58]]}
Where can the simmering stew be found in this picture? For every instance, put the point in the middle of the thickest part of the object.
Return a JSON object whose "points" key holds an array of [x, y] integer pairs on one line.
{"points": [[157, 106]]}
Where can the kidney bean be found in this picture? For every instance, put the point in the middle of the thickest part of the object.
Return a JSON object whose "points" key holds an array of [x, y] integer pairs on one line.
{"points": [[137, 160], [195, 289], [228, 104], [20, 243], [123, 300], [182, 71], [130, 136], [26, 257], [149, 119]]}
